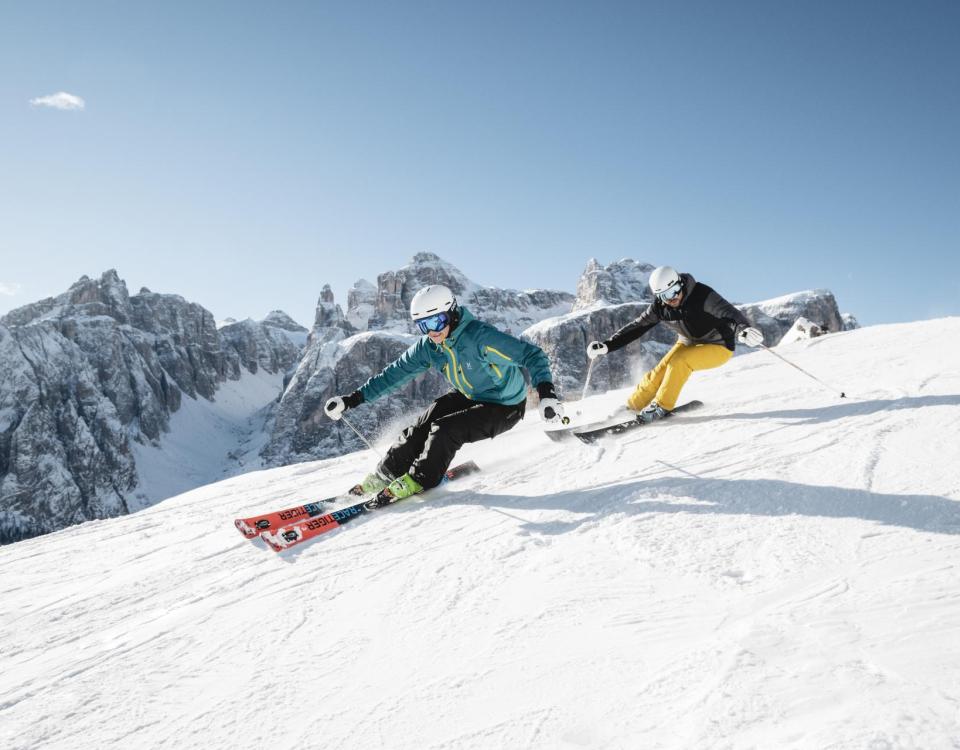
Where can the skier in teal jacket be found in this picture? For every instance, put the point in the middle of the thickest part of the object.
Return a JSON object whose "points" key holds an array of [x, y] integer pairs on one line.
{"points": [[482, 364]]}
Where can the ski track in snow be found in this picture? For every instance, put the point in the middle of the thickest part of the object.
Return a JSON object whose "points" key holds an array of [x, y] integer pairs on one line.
{"points": [[778, 569]]}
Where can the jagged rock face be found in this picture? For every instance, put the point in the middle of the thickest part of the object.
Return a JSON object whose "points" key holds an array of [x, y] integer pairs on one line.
{"points": [[395, 289], [850, 321], [775, 317], [83, 373], [260, 345], [186, 341], [132, 368], [329, 314], [87, 298], [616, 284], [507, 309], [279, 319], [130, 371], [514, 311], [64, 456], [361, 304]]}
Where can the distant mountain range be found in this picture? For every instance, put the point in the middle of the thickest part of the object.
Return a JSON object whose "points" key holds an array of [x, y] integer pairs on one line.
{"points": [[90, 380]]}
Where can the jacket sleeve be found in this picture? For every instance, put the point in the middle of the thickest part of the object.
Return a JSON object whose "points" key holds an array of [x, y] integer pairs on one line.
{"points": [[499, 348], [634, 330], [405, 368], [718, 307]]}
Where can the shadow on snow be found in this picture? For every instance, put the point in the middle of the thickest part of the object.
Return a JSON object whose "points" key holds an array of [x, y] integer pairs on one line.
{"points": [[744, 497], [696, 495], [842, 410]]}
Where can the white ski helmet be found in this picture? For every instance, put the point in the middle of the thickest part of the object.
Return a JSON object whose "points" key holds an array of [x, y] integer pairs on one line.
{"points": [[662, 279], [431, 300]]}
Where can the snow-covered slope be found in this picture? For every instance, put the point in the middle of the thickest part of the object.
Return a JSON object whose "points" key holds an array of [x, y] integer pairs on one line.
{"points": [[778, 570]]}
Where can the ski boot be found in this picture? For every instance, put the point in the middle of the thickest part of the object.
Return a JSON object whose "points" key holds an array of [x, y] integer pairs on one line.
{"points": [[398, 489], [652, 412], [371, 484]]}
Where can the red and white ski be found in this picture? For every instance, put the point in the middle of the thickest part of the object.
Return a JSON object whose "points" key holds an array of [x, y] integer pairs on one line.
{"points": [[290, 535], [255, 525]]}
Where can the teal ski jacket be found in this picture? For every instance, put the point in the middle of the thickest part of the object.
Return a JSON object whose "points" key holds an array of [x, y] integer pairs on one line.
{"points": [[478, 360]]}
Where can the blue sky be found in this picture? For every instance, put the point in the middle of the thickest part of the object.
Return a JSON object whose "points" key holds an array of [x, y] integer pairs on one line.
{"points": [[243, 155]]}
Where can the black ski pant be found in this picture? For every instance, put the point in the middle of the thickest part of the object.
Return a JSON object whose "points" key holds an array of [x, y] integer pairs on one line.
{"points": [[426, 448]]}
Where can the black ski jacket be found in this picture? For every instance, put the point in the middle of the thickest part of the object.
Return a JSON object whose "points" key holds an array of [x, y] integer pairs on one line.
{"points": [[704, 317]]}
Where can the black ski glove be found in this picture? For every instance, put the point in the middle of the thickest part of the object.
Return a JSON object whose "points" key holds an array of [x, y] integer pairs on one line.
{"points": [[353, 400], [546, 390]]}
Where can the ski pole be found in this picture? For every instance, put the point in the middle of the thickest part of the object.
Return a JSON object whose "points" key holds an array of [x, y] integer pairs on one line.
{"points": [[365, 442], [586, 383], [360, 435], [797, 367]]}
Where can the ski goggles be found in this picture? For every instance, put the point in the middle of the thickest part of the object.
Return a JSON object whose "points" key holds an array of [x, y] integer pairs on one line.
{"points": [[671, 292], [435, 323]]}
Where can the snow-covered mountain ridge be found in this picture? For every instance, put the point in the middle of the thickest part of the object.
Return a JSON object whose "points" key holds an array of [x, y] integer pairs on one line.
{"points": [[777, 570], [94, 375]]}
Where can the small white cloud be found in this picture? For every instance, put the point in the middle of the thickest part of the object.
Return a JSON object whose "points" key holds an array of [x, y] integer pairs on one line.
{"points": [[60, 100], [9, 290]]}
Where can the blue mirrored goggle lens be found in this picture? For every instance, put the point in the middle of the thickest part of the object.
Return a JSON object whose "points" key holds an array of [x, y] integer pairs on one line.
{"points": [[434, 323], [671, 293]]}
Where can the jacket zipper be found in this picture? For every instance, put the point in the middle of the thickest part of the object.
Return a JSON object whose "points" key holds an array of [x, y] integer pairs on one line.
{"points": [[455, 367]]}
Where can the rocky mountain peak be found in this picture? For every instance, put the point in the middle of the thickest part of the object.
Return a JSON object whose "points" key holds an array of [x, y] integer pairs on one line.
{"points": [[86, 297], [429, 268], [776, 316], [624, 281], [395, 289], [328, 314], [106, 296], [279, 319], [388, 307], [361, 304]]}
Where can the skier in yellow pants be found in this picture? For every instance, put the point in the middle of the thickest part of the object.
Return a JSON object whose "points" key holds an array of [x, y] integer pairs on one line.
{"points": [[707, 328], [663, 383]]}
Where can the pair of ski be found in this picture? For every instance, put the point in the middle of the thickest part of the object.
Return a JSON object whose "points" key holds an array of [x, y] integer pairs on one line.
{"points": [[592, 433], [287, 528]]}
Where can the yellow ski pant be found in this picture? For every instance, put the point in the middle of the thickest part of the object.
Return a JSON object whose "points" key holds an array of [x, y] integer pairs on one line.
{"points": [[665, 381]]}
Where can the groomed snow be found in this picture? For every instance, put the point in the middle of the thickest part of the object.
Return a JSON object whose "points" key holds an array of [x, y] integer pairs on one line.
{"points": [[777, 570]]}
